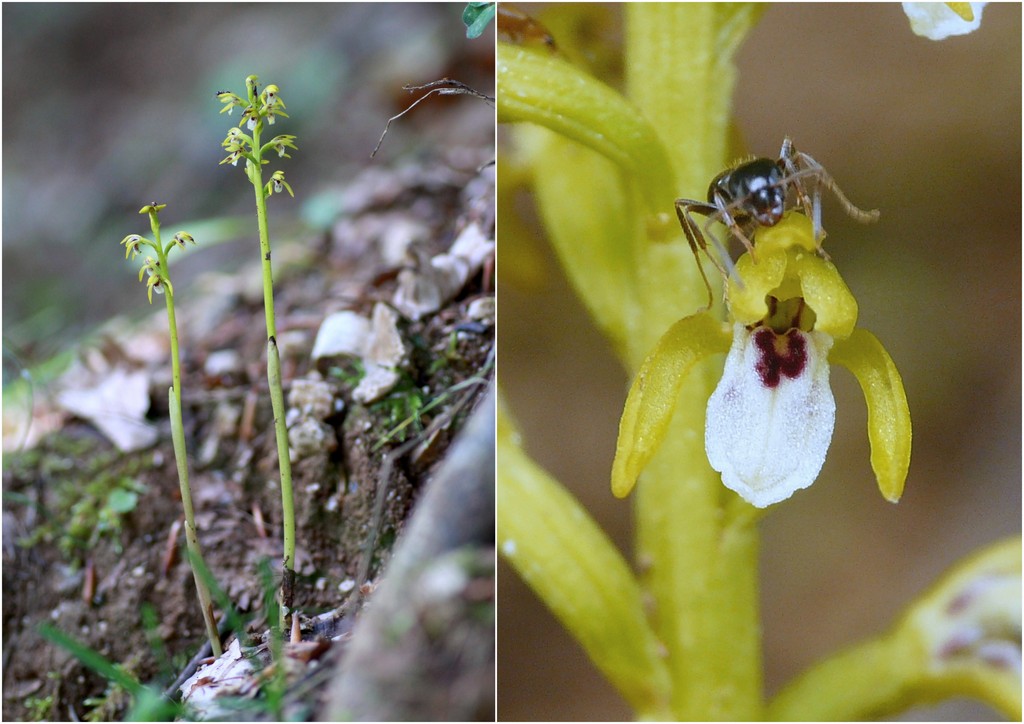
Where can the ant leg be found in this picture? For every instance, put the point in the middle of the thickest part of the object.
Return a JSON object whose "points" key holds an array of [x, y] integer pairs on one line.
{"points": [[684, 207], [812, 204], [824, 179], [816, 173], [788, 157], [722, 212], [723, 262], [819, 233], [787, 151]]}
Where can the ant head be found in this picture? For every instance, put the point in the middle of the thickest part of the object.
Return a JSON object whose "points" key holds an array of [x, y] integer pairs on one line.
{"points": [[757, 189], [767, 202]]}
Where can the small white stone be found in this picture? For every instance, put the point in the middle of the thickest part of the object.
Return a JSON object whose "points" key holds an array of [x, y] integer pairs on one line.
{"points": [[223, 362], [342, 334], [311, 397], [482, 309]]}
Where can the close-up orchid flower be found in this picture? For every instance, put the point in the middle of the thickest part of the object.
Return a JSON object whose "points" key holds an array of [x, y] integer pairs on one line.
{"points": [[740, 567], [770, 419]]}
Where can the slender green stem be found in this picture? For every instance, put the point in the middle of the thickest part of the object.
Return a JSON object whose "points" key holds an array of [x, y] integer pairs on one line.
{"points": [[191, 538], [287, 502], [699, 556], [180, 453], [274, 377]]}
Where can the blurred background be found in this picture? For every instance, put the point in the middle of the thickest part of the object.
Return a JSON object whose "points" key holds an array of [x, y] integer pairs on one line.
{"points": [[928, 132], [110, 106]]}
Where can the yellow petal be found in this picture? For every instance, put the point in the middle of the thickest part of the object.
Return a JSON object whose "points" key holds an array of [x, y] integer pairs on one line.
{"points": [[794, 231], [652, 397], [787, 266], [826, 293], [964, 10], [753, 281], [889, 428]]}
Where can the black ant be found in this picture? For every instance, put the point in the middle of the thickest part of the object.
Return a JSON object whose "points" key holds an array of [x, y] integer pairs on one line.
{"points": [[753, 194]]}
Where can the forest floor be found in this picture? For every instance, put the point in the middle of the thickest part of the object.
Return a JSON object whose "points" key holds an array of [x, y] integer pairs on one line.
{"points": [[91, 534]]}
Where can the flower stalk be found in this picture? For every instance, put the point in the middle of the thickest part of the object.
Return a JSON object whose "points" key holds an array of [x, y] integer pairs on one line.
{"points": [[702, 553], [260, 108], [160, 281]]}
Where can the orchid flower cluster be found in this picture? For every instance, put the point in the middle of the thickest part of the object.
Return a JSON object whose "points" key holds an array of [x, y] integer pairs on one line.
{"points": [[255, 110], [156, 269], [260, 109], [159, 281]]}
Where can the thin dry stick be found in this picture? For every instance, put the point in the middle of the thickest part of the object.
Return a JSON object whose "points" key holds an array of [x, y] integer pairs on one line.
{"points": [[443, 87]]}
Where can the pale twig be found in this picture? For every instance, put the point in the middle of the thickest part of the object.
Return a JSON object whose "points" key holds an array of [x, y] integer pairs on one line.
{"points": [[443, 87]]}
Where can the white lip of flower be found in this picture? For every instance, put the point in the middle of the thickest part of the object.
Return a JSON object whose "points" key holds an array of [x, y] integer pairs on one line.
{"points": [[770, 420]]}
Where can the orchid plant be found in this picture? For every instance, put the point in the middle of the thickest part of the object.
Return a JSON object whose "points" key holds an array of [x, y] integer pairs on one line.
{"points": [[709, 447], [158, 280], [261, 109]]}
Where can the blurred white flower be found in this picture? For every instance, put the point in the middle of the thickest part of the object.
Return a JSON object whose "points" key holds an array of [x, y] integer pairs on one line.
{"points": [[937, 21]]}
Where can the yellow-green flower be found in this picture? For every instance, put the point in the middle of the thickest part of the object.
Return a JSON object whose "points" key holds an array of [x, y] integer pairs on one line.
{"points": [[152, 207], [251, 83], [770, 420], [183, 237], [277, 184], [230, 101], [271, 112], [157, 281], [272, 103], [132, 245], [235, 140], [280, 144], [251, 116], [967, 628]]}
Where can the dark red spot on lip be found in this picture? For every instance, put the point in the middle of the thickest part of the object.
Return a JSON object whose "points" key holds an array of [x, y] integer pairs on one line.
{"points": [[781, 355]]}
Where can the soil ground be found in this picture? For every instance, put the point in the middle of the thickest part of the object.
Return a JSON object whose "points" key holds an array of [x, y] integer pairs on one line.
{"points": [[87, 535]]}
